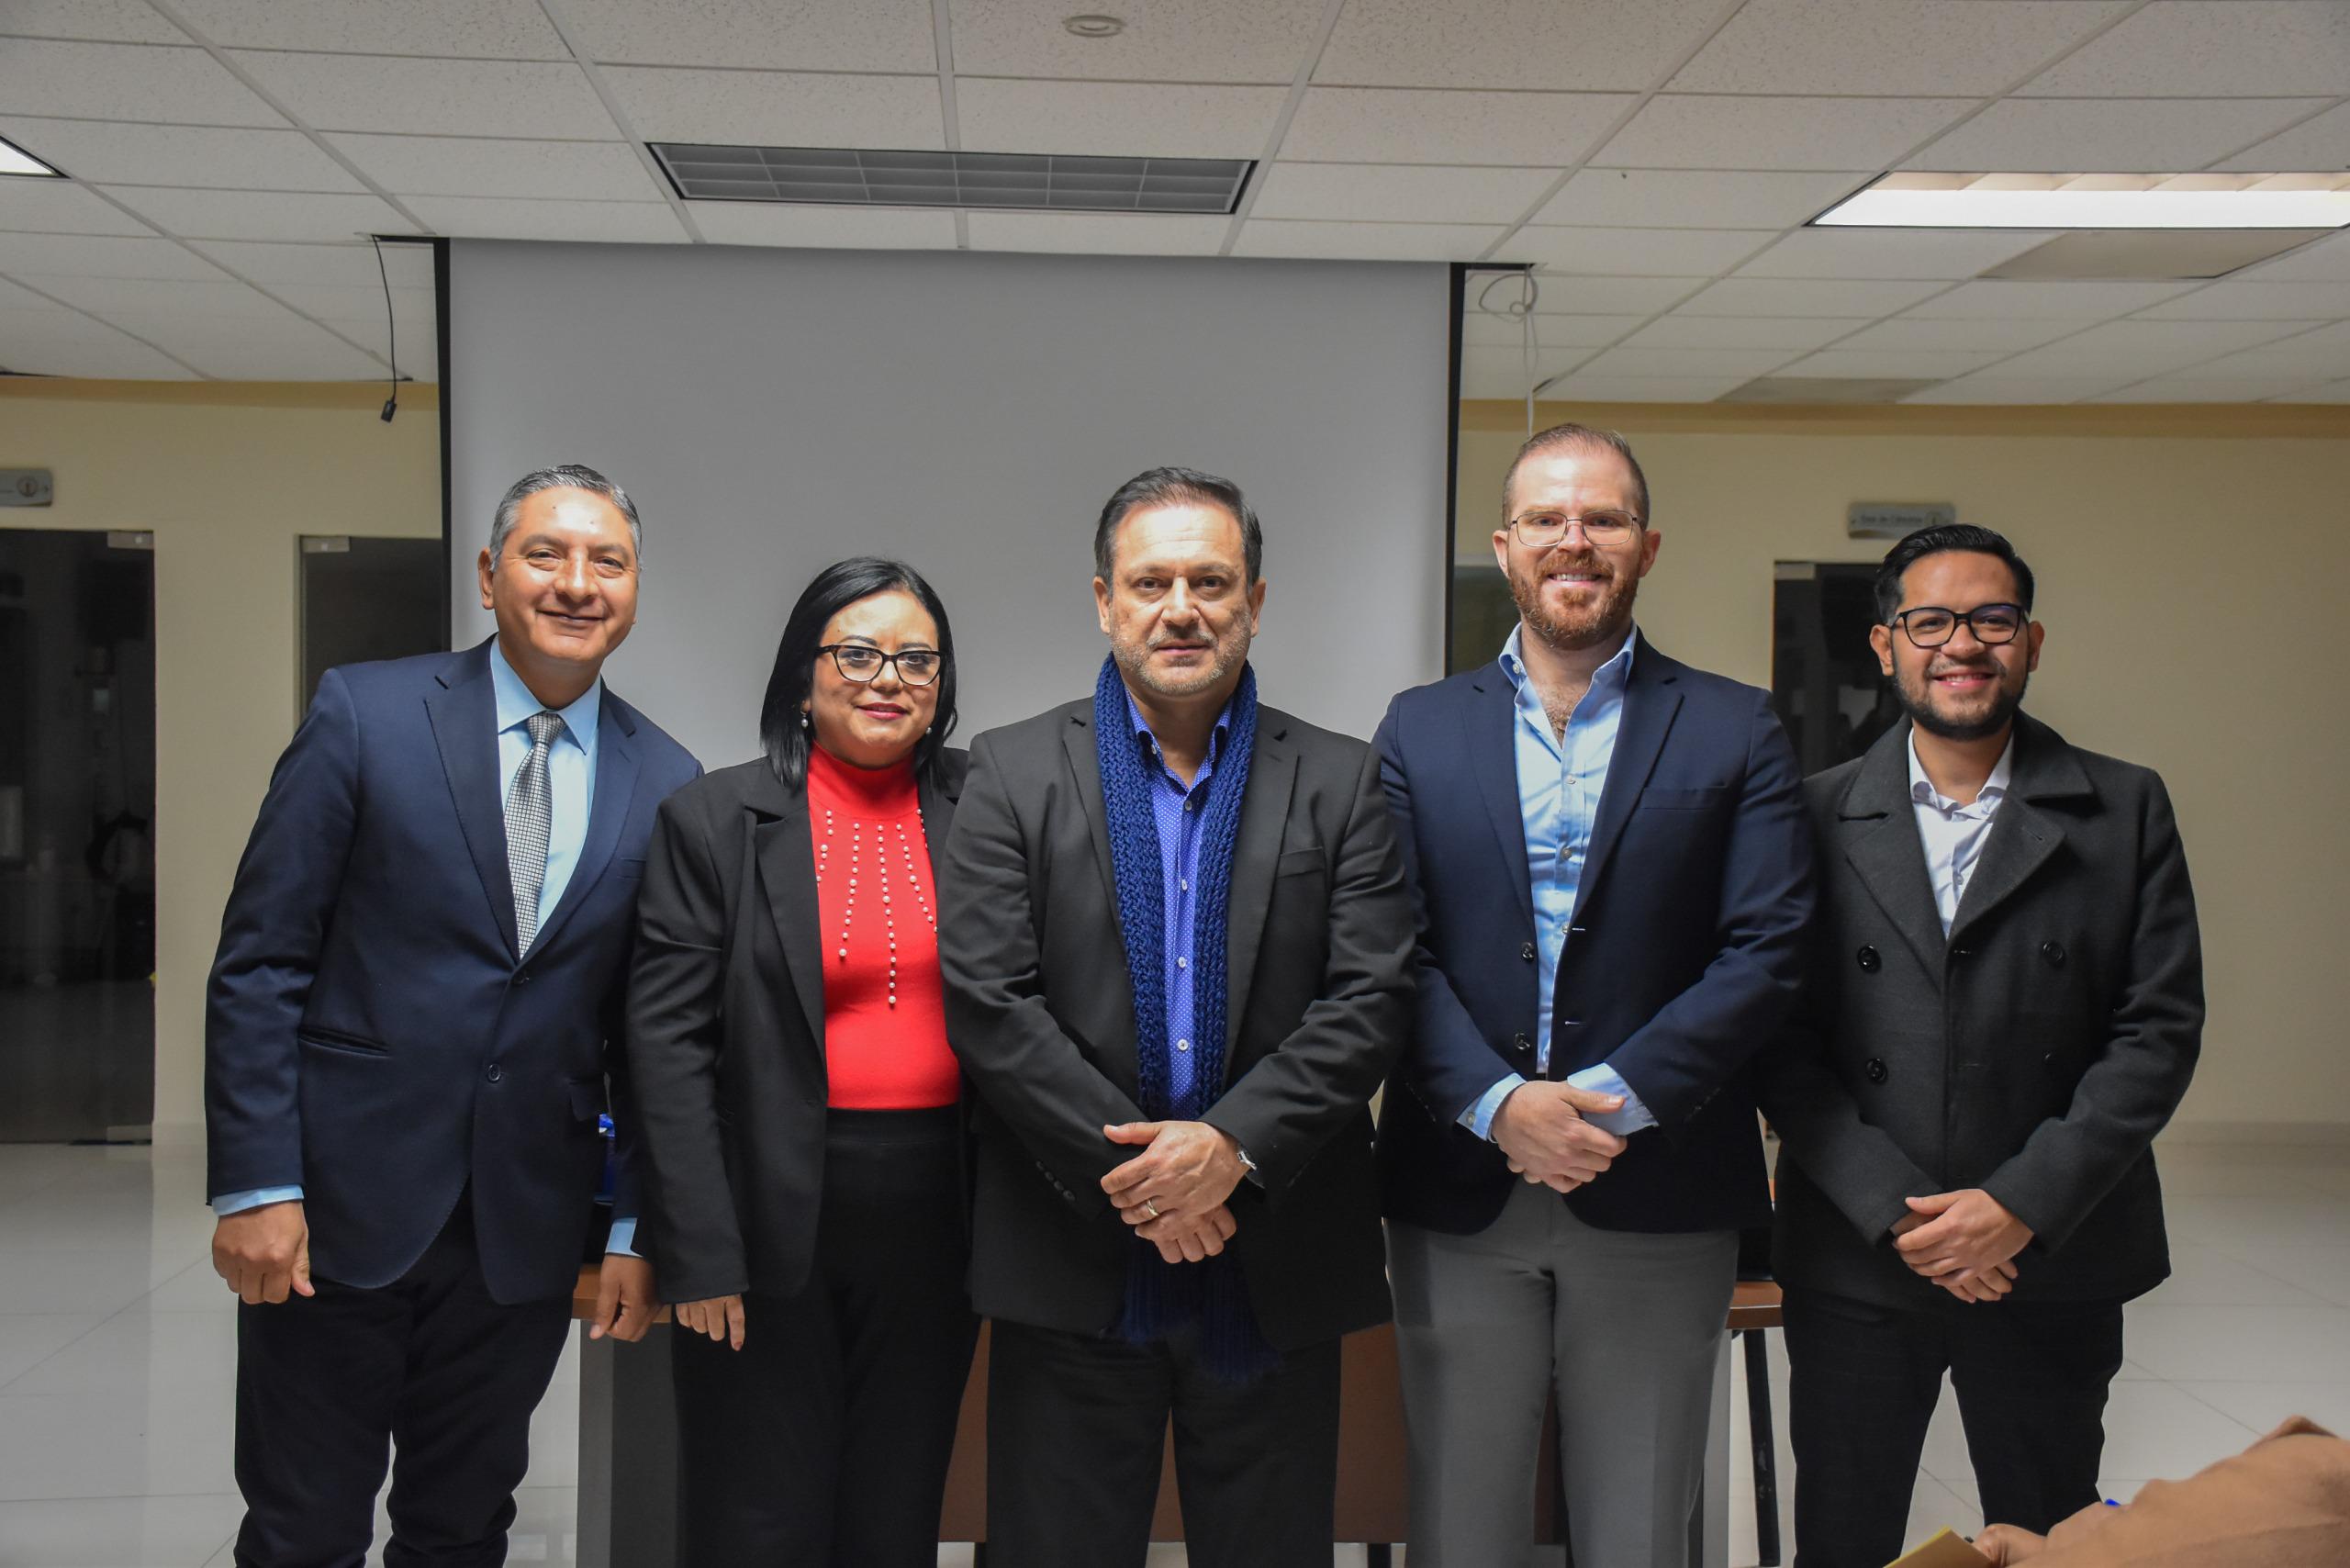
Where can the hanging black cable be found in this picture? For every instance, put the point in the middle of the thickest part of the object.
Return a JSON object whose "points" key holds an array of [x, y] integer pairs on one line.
{"points": [[391, 332]]}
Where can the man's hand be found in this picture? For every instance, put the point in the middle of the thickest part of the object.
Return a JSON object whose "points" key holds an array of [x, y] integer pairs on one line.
{"points": [[1966, 1285], [1188, 1168], [265, 1252], [721, 1318], [625, 1300], [1181, 1239], [2003, 1544], [1966, 1232], [1540, 1128]]}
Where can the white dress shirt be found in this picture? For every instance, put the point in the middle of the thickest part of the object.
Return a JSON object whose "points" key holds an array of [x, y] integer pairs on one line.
{"points": [[1955, 834]]}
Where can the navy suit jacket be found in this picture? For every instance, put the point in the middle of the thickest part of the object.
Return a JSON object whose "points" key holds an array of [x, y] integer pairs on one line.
{"points": [[370, 1032], [1684, 950]]}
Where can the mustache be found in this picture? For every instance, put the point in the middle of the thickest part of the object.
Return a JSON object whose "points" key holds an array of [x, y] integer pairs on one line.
{"points": [[1589, 561]]}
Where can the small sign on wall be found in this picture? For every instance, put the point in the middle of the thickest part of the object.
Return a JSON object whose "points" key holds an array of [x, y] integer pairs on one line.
{"points": [[26, 487], [1892, 519]]}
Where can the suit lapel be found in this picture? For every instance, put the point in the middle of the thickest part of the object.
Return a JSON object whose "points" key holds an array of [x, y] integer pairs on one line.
{"points": [[615, 791], [1879, 830], [1489, 740], [1076, 741], [1256, 855], [1651, 698], [463, 713], [787, 858], [2022, 834]]}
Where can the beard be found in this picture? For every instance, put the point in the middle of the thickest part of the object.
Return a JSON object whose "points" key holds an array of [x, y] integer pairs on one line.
{"points": [[1228, 653], [1917, 702], [1597, 620]]}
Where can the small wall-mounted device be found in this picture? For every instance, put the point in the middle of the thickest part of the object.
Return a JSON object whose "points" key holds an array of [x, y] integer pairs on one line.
{"points": [[1892, 519], [26, 487]]}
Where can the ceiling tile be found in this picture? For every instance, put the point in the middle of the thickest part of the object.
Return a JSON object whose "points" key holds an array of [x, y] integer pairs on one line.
{"points": [[2120, 135], [1914, 332], [2314, 144], [1404, 125], [104, 152], [2331, 392], [1804, 296], [2326, 261], [294, 350], [1129, 119], [407, 266], [161, 298], [1575, 45], [24, 315], [1793, 333], [1890, 365], [2257, 299], [1642, 252], [112, 21], [435, 97], [2200, 388], [117, 359], [829, 227], [485, 29], [1694, 199], [1888, 46], [503, 218], [780, 108], [344, 304], [125, 82], [1743, 364], [2196, 48], [1950, 254], [2015, 391], [871, 35], [91, 256], [262, 215], [457, 165], [1501, 372], [1366, 241], [1099, 233], [1574, 294], [60, 207], [1167, 40], [2318, 355], [1858, 134], [1492, 330], [1377, 192], [1581, 387], [2140, 348], [1999, 300]]}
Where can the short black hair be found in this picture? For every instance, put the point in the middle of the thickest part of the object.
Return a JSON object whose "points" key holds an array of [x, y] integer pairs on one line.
{"points": [[1168, 487], [832, 590], [1936, 539], [1568, 438]]}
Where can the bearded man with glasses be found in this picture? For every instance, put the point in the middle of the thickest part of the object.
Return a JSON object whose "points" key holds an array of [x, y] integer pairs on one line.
{"points": [[2004, 1006]]}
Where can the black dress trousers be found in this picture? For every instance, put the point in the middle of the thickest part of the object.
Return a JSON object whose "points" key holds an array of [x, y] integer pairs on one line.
{"points": [[325, 1385], [2031, 1379], [825, 1438]]}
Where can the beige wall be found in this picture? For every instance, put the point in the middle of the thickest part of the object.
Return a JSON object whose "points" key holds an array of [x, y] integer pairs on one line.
{"points": [[226, 487], [2191, 587]]}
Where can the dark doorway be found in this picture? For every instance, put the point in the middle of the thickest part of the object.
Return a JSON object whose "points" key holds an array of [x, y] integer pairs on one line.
{"points": [[368, 598], [77, 836], [1824, 679]]}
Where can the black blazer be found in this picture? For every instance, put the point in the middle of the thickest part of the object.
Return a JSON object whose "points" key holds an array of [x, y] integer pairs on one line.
{"points": [[1041, 1010], [2034, 1053], [370, 1032], [726, 1033], [1685, 949]]}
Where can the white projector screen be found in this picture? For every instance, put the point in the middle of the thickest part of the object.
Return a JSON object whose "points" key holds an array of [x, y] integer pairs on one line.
{"points": [[772, 412]]}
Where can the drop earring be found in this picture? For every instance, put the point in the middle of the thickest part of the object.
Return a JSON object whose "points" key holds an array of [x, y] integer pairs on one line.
{"points": [[803, 718], [927, 728]]}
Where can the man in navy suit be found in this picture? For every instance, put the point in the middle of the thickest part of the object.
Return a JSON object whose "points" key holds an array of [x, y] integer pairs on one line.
{"points": [[406, 1050], [1613, 876]]}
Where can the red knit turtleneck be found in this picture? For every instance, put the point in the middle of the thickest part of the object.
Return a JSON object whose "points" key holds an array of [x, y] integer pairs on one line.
{"points": [[885, 1020]]}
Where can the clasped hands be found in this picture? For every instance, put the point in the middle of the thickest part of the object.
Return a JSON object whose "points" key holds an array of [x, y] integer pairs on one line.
{"points": [[1173, 1193], [1541, 1128], [1963, 1241]]}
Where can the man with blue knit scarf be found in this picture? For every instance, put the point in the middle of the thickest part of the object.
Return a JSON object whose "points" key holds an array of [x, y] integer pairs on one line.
{"points": [[1177, 946]]}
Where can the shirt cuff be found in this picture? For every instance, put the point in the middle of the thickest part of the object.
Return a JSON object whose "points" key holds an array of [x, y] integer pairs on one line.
{"points": [[623, 1240], [1479, 1117], [1605, 1080], [227, 1204]]}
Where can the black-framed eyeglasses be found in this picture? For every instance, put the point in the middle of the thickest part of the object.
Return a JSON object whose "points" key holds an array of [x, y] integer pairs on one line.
{"points": [[1541, 530], [861, 662], [1931, 626]]}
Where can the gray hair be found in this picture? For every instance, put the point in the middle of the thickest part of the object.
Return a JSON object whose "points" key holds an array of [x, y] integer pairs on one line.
{"points": [[563, 477]]}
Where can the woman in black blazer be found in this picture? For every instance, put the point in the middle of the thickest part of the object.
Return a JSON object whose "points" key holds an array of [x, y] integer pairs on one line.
{"points": [[805, 1203]]}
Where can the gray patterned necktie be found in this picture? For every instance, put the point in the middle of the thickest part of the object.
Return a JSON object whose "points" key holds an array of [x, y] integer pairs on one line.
{"points": [[530, 819]]}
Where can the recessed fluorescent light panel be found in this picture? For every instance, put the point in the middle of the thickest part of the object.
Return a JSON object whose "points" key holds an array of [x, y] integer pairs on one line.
{"points": [[2097, 201], [838, 176], [15, 159]]}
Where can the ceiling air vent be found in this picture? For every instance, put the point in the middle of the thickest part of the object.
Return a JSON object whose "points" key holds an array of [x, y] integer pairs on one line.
{"points": [[840, 177]]}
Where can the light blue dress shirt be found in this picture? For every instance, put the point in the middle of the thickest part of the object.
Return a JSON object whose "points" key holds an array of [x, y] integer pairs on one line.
{"points": [[571, 785], [1955, 834], [1559, 785]]}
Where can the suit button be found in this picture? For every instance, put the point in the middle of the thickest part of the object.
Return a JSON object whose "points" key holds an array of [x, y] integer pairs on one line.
{"points": [[1869, 962], [1962, 952], [522, 977], [1527, 952], [494, 1072], [2049, 1061], [1521, 1043], [1876, 1070], [2055, 953]]}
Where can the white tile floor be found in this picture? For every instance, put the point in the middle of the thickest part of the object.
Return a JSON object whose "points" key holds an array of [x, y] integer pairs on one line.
{"points": [[118, 1358]]}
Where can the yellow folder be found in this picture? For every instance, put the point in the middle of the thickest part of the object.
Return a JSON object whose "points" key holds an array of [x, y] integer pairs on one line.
{"points": [[1947, 1549]]}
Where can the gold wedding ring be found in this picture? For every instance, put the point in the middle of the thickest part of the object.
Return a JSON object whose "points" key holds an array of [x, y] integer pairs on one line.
{"points": [[1152, 1207]]}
